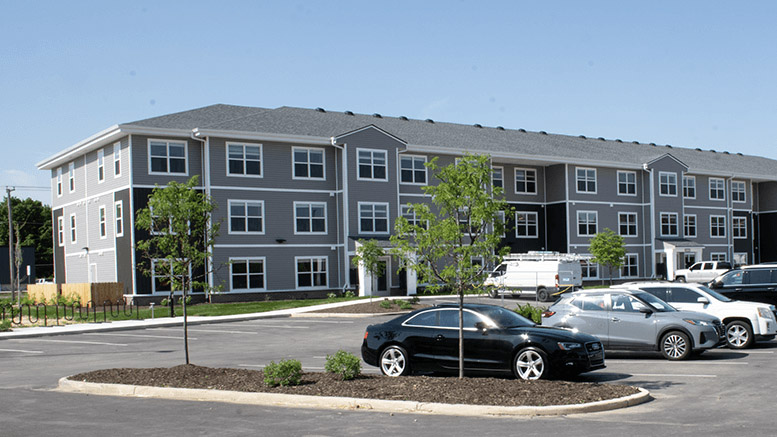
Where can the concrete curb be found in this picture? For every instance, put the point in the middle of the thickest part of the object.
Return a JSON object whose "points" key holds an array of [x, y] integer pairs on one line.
{"points": [[341, 403]]}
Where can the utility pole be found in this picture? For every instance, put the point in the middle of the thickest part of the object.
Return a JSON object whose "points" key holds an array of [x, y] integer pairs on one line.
{"points": [[10, 239]]}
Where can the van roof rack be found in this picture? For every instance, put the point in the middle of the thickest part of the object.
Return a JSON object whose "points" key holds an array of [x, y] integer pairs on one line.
{"points": [[543, 255]]}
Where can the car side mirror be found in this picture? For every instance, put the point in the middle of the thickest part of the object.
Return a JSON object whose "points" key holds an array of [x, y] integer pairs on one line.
{"points": [[703, 300], [716, 284], [481, 326], [646, 310]]}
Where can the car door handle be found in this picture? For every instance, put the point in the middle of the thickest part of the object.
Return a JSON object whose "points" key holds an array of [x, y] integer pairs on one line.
{"points": [[615, 319], [440, 337]]}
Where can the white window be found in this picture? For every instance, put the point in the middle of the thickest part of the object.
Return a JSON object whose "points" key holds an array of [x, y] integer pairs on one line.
{"points": [[247, 273], [162, 277], [497, 177], [409, 214], [59, 181], [118, 210], [586, 180], [738, 190], [244, 159], [246, 217], [309, 218], [739, 227], [627, 224], [669, 226], [525, 181], [373, 218], [667, 184], [412, 170], [71, 176], [717, 189], [689, 225], [630, 268], [159, 225], [627, 183], [72, 229], [689, 187], [167, 157], [311, 272], [589, 270], [586, 223], [117, 160], [61, 231], [100, 165], [718, 256], [526, 224], [717, 226], [372, 165], [103, 222], [308, 163]]}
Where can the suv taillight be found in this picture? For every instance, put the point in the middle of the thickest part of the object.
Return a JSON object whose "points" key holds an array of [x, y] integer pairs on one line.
{"points": [[547, 314]]}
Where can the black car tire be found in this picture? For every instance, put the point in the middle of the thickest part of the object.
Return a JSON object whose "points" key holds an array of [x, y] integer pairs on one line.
{"points": [[739, 335], [680, 279], [394, 361], [675, 346], [530, 364], [542, 294], [494, 293]]}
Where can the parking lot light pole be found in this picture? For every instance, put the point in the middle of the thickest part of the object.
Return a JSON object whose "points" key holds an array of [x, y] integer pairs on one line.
{"points": [[10, 239]]}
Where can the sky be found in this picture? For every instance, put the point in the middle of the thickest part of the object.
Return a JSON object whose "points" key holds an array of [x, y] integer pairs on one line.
{"points": [[689, 74]]}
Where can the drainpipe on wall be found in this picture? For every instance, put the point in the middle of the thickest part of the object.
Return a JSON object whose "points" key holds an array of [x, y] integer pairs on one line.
{"points": [[344, 159], [205, 156], [652, 261]]}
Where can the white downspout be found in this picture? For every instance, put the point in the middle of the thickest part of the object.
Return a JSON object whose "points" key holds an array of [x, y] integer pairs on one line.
{"points": [[205, 156], [651, 261], [345, 210]]}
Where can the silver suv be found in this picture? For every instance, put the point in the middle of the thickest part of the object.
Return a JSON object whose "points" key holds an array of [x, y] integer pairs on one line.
{"points": [[634, 320]]}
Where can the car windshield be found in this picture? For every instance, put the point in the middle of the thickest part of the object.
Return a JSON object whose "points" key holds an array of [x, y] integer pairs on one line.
{"points": [[655, 302], [714, 294], [505, 318]]}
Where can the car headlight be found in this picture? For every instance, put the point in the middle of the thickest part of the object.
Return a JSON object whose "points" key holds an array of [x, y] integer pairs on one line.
{"points": [[697, 322], [764, 312], [569, 346]]}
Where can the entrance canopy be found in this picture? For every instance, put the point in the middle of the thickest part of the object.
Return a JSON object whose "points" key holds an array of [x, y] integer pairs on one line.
{"points": [[379, 284], [679, 253]]}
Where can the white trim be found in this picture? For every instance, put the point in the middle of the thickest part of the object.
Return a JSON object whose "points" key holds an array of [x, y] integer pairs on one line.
{"points": [[695, 226], [243, 145], [722, 255], [59, 188], [86, 199], [167, 143], [709, 189], [117, 150], [275, 245], [98, 252], [596, 222], [131, 216], [733, 234], [153, 275], [374, 218], [412, 160], [724, 226], [596, 202], [720, 208], [307, 152], [261, 136], [372, 164], [61, 230], [102, 221], [248, 274], [527, 225], [73, 228], [636, 264], [668, 174], [118, 218], [596, 185], [100, 165], [245, 203], [636, 224], [618, 182], [693, 178], [661, 215], [310, 205], [525, 181], [297, 259], [259, 189], [415, 195], [744, 191], [71, 176], [502, 171]]}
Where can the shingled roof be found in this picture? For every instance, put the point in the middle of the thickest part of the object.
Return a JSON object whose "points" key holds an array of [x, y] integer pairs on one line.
{"points": [[459, 137]]}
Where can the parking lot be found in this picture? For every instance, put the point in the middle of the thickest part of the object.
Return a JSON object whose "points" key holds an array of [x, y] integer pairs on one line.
{"points": [[722, 392]]}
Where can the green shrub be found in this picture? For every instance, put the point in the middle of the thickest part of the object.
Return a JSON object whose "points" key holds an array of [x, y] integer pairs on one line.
{"points": [[5, 325], [331, 296], [350, 294], [385, 303], [285, 373], [345, 364], [415, 299], [530, 312], [405, 305]]}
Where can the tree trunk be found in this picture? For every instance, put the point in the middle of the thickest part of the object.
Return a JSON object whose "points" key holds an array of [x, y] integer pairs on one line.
{"points": [[185, 323], [461, 334]]}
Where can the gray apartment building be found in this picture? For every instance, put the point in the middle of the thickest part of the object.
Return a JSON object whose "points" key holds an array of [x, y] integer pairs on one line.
{"points": [[296, 188]]}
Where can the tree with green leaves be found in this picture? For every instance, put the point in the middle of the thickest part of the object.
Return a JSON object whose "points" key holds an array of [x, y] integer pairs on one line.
{"points": [[369, 254], [32, 227], [453, 241], [608, 250], [180, 246]]}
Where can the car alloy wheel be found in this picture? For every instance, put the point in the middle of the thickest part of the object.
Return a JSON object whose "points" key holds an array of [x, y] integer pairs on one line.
{"points": [[530, 364], [393, 361], [739, 335], [675, 346]]}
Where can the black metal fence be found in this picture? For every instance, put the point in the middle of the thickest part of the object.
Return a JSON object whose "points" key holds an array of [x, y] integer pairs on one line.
{"points": [[53, 315]]}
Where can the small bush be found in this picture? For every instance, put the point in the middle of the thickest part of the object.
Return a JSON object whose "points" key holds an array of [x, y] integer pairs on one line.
{"points": [[285, 373], [5, 325], [350, 294], [415, 299], [345, 364], [405, 305], [385, 303], [530, 312], [331, 296]]}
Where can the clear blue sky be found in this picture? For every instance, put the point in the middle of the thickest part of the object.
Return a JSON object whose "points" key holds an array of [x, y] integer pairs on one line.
{"points": [[688, 73]]}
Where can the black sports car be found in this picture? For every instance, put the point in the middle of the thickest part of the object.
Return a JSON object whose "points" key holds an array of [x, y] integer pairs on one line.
{"points": [[495, 339]]}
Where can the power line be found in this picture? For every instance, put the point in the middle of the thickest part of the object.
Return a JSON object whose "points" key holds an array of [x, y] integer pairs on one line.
{"points": [[28, 187]]}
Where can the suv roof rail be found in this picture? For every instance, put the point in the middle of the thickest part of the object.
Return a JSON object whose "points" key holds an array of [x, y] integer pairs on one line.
{"points": [[541, 255]]}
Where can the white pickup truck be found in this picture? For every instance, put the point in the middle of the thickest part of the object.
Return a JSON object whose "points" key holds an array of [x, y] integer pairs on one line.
{"points": [[703, 271]]}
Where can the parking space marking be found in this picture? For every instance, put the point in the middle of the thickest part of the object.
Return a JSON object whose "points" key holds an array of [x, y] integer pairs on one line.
{"points": [[112, 334], [758, 352], [21, 350], [673, 375], [681, 363], [75, 342], [215, 331], [325, 321], [280, 326]]}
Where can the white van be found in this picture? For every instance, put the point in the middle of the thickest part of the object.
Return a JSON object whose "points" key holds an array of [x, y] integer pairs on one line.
{"points": [[544, 274]]}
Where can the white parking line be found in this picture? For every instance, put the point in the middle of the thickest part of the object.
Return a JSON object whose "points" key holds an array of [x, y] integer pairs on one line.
{"points": [[75, 342], [281, 326], [112, 334], [340, 322], [217, 331], [673, 375], [758, 352], [681, 363], [21, 350]]}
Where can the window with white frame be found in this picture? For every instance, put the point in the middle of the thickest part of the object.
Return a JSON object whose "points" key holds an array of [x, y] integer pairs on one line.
{"points": [[667, 184], [627, 183], [311, 272], [309, 218], [717, 226], [61, 231], [373, 218], [372, 164], [738, 191], [73, 229], [117, 160], [586, 223], [718, 256], [246, 217], [689, 187], [526, 224], [717, 189], [244, 159], [627, 224], [167, 157], [100, 165], [308, 163], [247, 273], [630, 268], [525, 181], [162, 275], [103, 221], [59, 181], [159, 225], [586, 180], [689, 225], [409, 214], [669, 226], [118, 210], [739, 227], [412, 170], [71, 176], [589, 270], [497, 177]]}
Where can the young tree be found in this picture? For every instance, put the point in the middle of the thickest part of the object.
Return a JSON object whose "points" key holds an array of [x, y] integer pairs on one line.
{"points": [[369, 254], [461, 226], [32, 219], [607, 249], [179, 219]]}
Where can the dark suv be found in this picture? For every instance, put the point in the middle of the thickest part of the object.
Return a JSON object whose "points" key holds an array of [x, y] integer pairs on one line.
{"points": [[757, 283]]}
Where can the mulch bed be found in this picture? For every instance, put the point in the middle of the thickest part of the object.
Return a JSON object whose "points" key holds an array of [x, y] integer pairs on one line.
{"points": [[370, 308], [474, 391]]}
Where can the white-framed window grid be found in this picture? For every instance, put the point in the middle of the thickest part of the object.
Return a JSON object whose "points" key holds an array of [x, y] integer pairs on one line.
{"points": [[738, 191], [117, 160], [71, 176], [61, 231], [100, 166], [525, 181], [168, 157], [717, 189], [412, 170], [310, 218], [667, 184], [627, 183], [248, 273], [118, 211], [161, 281], [689, 225], [627, 224], [103, 221], [371, 165], [669, 225], [73, 233], [311, 272], [585, 179], [244, 160], [630, 268], [409, 214], [589, 270], [739, 227], [497, 177], [526, 224], [373, 218], [587, 223], [59, 181], [689, 187], [717, 226], [718, 256], [246, 217]]}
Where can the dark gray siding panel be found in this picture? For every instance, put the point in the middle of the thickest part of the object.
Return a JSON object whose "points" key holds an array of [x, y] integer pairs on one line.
{"points": [[140, 163], [124, 243], [556, 221], [555, 188], [522, 245]]}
